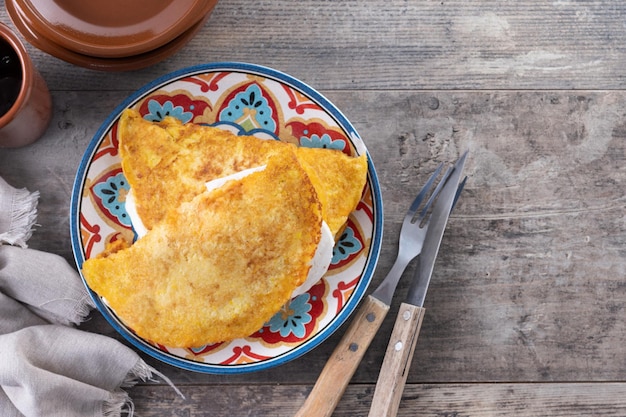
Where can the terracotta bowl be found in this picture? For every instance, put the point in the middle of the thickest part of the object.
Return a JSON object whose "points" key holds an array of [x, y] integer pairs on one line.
{"points": [[135, 62], [113, 28], [29, 116]]}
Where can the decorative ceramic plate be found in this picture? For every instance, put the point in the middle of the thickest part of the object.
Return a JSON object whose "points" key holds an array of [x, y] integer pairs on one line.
{"points": [[251, 100]]}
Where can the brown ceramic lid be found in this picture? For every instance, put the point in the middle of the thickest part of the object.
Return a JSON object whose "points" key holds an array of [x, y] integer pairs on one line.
{"points": [[103, 64], [113, 28]]}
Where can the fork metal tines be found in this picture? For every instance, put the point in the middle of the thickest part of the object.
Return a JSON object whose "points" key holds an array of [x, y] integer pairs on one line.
{"points": [[412, 234]]}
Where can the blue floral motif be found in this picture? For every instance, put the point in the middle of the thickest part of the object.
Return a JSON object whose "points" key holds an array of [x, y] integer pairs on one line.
{"points": [[347, 245], [292, 318], [314, 141], [250, 110], [112, 193], [197, 350], [158, 112]]}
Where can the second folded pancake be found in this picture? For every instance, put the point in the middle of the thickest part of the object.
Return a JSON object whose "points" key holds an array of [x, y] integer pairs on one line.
{"points": [[169, 162]]}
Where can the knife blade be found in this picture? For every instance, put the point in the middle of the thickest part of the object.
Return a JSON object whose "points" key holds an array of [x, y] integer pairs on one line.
{"points": [[401, 347]]}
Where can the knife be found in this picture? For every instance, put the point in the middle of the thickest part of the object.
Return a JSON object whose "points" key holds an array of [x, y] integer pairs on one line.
{"points": [[397, 361], [347, 355]]}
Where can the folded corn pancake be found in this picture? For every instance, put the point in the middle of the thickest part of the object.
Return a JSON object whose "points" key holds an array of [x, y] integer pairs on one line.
{"points": [[169, 162], [323, 253], [217, 267]]}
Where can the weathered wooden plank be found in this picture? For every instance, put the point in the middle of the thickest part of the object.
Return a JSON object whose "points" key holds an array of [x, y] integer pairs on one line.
{"points": [[523, 313], [443, 400], [533, 259], [528, 286], [399, 44]]}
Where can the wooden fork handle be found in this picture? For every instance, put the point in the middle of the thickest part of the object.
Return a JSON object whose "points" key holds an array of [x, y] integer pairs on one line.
{"points": [[397, 362], [344, 360]]}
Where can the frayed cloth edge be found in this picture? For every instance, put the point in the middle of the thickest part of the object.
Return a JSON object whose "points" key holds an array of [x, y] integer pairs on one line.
{"points": [[118, 403], [81, 310], [23, 217], [144, 372], [79, 314]]}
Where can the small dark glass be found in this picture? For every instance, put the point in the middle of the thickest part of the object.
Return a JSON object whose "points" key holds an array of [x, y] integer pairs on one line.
{"points": [[10, 77]]}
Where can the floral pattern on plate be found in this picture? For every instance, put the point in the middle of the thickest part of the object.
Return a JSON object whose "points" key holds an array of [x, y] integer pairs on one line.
{"points": [[247, 100]]}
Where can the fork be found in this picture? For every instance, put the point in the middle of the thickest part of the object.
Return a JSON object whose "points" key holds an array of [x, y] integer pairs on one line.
{"points": [[346, 357], [412, 235]]}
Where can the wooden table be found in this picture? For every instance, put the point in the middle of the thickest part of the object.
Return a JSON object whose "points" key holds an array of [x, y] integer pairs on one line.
{"points": [[526, 310]]}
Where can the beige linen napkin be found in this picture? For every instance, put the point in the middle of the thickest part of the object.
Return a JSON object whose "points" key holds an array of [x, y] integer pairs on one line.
{"points": [[47, 367], [18, 213]]}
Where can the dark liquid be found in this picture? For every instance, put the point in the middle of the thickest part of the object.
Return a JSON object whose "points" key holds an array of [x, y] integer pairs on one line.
{"points": [[10, 77]]}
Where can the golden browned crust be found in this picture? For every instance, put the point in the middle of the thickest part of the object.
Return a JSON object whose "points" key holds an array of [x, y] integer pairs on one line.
{"points": [[168, 163], [217, 267], [339, 180]]}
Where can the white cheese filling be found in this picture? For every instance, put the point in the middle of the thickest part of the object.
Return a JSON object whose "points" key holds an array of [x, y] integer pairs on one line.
{"points": [[323, 254]]}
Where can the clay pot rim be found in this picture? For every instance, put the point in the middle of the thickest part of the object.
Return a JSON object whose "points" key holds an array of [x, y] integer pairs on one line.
{"points": [[94, 63], [148, 37], [7, 34]]}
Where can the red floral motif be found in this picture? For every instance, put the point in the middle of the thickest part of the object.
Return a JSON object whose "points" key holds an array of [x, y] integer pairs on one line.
{"points": [[316, 301], [109, 144], [98, 202], [344, 291], [298, 101], [207, 82], [301, 129], [196, 107], [117, 236], [244, 354], [90, 235]]}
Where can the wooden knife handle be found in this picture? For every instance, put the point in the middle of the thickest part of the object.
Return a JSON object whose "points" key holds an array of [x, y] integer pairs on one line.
{"points": [[344, 360], [397, 362]]}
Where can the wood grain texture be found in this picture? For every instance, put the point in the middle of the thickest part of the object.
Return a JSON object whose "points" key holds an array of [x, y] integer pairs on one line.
{"points": [[394, 370], [399, 44], [345, 359], [528, 285], [525, 308], [419, 400]]}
